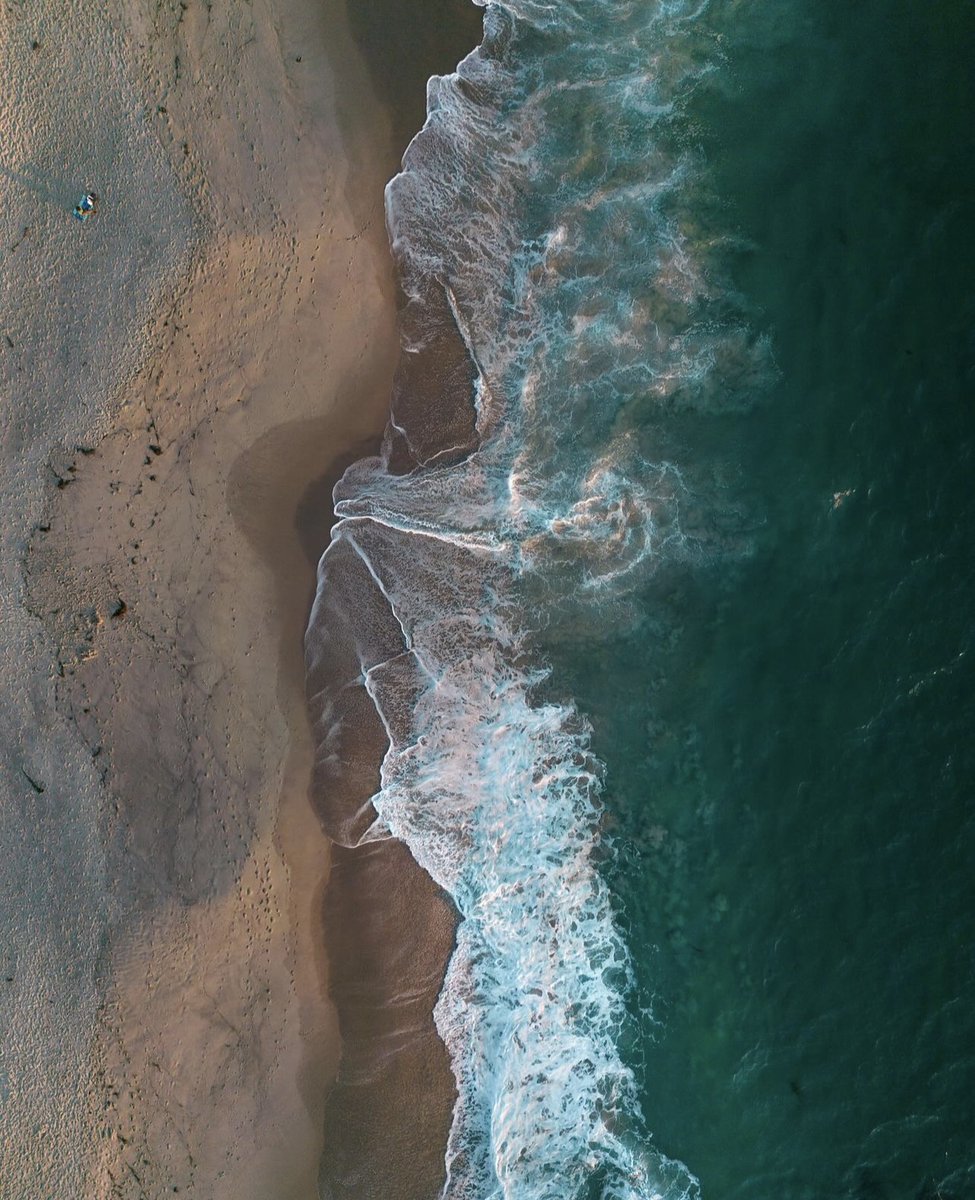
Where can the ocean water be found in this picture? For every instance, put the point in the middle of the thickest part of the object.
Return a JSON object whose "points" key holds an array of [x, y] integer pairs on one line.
{"points": [[661, 590]]}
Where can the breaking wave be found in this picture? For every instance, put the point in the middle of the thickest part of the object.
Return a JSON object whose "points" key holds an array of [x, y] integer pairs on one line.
{"points": [[563, 317]]}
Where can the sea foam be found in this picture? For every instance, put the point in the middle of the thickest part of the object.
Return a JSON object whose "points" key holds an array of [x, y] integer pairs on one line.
{"points": [[541, 222]]}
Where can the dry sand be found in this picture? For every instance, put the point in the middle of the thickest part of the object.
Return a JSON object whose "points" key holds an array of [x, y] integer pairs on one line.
{"points": [[177, 376]]}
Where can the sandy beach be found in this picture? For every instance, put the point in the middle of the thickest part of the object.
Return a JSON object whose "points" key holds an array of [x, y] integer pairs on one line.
{"points": [[182, 377]]}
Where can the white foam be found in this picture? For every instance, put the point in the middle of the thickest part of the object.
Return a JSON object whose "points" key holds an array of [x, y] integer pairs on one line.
{"points": [[579, 294]]}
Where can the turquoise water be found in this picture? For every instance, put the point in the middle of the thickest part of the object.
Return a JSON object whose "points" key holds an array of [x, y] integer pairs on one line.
{"points": [[660, 589]]}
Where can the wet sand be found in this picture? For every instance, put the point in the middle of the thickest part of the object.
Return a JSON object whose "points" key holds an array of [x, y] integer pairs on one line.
{"points": [[390, 928]]}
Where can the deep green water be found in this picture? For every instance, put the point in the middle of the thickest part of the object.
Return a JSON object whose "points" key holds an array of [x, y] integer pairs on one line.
{"points": [[790, 734]]}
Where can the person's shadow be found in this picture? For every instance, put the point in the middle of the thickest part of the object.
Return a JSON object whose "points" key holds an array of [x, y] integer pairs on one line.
{"points": [[61, 193]]}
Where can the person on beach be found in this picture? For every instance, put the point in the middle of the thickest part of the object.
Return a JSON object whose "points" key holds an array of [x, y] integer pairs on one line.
{"points": [[85, 206]]}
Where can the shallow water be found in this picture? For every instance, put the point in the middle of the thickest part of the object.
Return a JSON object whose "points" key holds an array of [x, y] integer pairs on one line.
{"points": [[681, 448]]}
